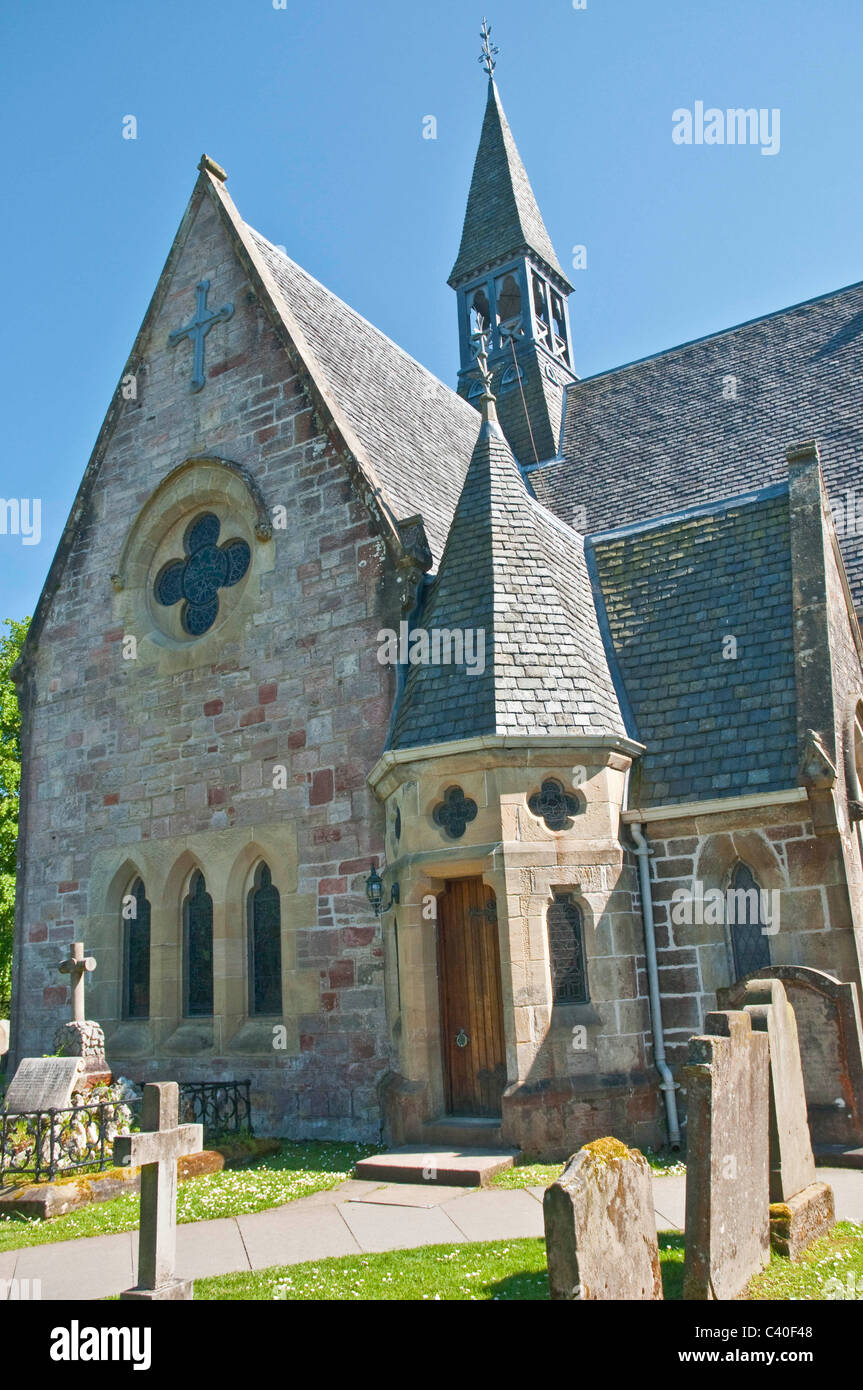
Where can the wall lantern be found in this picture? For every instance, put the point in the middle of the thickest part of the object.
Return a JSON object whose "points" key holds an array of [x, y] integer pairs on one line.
{"points": [[375, 893]]}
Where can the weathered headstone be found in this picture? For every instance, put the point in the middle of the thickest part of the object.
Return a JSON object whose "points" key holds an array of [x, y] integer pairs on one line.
{"points": [[42, 1083], [81, 1037], [801, 1209], [831, 1045], [727, 1157], [600, 1226], [157, 1149]]}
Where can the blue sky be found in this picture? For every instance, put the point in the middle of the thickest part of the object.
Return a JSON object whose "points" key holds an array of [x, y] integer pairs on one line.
{"points": [[316, 111]]}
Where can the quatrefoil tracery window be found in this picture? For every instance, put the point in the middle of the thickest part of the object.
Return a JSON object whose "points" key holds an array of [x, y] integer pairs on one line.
{"points": [[554, 805], [207, 568], [455, 812]]}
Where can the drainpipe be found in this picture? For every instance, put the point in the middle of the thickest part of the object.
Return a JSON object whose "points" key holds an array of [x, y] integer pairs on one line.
{"points": [[668, 1085]]}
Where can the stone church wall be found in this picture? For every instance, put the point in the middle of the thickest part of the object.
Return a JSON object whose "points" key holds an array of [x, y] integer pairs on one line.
{"points": [[780, 847], [163, 763]]}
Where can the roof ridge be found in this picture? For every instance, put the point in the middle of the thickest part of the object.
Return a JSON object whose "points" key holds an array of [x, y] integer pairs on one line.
{"points": [[360, 318], [708, 337]]}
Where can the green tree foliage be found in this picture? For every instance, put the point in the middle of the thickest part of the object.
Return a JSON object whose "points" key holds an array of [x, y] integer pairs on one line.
{"points": [[10, 781]]}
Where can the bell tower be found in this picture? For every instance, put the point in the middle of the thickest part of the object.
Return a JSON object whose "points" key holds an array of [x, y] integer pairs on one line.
{"points": [[511, 291]]}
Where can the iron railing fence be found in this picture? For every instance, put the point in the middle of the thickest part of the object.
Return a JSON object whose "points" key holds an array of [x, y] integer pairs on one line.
{"points": [[222, 1107], [46, 1144], [41, 1144]]}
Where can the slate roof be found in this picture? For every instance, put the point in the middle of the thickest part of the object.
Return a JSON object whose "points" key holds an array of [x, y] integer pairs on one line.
{"points": [[673, 591], [657, 435], [502, 214], [511, 569], [417, 432]]}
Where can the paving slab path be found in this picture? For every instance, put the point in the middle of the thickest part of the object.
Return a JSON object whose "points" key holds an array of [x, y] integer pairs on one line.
{"points": [[350, 1219]]}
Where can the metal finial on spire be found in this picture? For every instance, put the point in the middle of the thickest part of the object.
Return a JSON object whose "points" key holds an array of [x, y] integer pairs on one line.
{"points": [[488, 405], [489, 50]]}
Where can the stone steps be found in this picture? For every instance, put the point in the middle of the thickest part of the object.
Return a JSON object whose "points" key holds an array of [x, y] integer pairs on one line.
{"points": [[456, 1166], [457, 1131]]}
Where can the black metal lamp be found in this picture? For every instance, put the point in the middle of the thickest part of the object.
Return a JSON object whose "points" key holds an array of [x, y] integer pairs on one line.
{"points": [[375, 893]]}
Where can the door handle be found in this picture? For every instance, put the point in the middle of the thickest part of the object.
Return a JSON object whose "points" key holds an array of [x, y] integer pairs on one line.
{"points": [[461, 1038]]}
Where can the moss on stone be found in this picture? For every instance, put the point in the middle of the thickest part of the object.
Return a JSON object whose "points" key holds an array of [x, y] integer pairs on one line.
{"points": [[603, 1150]]}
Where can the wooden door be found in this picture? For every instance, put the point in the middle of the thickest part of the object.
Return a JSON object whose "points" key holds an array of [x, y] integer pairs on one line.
{"points": [[470, 998]]}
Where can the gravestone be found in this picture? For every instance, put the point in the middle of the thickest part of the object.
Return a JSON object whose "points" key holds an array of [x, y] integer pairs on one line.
{"points": [[831, 1049], [42, 1083], [82, 1037], [801, 1208], [600, 1227], [727, 1157], [157, 1149], [4, 1036]]}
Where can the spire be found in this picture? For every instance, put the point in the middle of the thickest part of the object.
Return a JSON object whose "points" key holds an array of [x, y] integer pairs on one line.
{"points": [[502, 217], [515, 574]]}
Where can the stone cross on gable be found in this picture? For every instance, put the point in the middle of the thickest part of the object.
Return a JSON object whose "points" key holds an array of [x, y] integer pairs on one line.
{"points": [[77, 965], [198, 328], [157, 1149]]}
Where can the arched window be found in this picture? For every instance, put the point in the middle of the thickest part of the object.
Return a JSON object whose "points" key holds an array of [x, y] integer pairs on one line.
{"points": [[566, 950], [744, 912], [479, 313], [136, 953], [509, 312], [265, 945], [198, 949], [540, 308]]}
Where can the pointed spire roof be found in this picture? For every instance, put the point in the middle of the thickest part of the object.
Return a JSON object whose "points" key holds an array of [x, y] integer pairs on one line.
{"points": [[517, 573], [502, 214]]}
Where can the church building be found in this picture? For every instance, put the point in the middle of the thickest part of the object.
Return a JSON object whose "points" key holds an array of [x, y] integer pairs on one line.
{"points": [[432, 758]]}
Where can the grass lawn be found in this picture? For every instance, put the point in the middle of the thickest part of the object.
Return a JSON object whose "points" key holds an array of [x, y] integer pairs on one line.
{"points": [[512, 1270], [297, 1171], [528, 1173]]}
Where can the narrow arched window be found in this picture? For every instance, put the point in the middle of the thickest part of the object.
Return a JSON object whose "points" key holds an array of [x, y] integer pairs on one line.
{"points": [[566, 950], [746, 921], [136, 953], [198, 949], [508, 297], [479, 313], [265, 945]]}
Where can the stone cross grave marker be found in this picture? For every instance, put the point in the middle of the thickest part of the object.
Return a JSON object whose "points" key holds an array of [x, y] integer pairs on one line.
{"points": [[77, 965], [42, 1083], [600, 1227], [157, 1149], [727, 1167]]}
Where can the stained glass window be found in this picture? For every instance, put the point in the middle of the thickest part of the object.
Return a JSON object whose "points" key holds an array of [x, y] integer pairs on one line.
{"points": [[198, 949], [136, 954], [566, 949], [265, 945], [207, 568], [553, 804], [749, 944], [455, 812]]}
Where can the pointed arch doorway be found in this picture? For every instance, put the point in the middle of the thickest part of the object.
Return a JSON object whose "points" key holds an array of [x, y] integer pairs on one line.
{"points": [[471, 1003]]}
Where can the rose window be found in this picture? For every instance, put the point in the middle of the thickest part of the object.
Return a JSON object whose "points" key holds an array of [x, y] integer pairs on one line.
{"points": [[196, 580]]}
